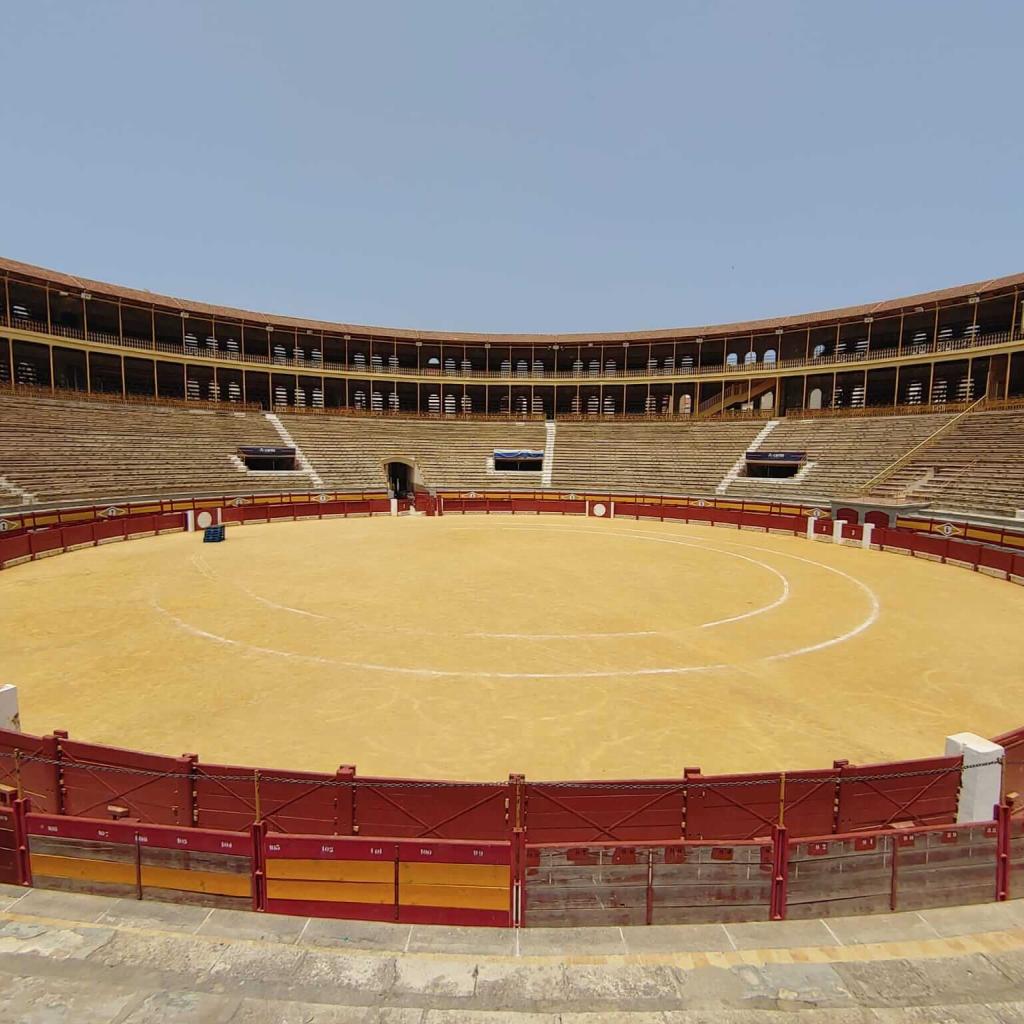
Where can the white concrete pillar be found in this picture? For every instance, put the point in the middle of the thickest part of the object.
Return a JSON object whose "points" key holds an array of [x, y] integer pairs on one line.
{"points": [[611, 510], [979, 787], [9, 717], [865, 541], [190, 521], [394, 506], [837, 531], [810, 527]]}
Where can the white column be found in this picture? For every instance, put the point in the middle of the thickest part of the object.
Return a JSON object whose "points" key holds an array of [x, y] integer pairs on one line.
{"points": [[837, 531], [190, 520], [9, 717], [810, 527], [865, 541], [979, 787], [394, 506]]}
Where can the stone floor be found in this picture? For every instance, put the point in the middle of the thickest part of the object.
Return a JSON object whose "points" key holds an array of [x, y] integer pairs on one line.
{"points": [[92, 960]]}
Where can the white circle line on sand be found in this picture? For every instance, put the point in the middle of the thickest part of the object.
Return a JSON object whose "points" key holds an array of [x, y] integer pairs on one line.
{"points": [[200, 563], [434, 672], [459, 673], [867, 623]]}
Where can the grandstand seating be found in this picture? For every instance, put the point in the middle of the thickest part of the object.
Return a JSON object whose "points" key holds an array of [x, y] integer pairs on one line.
{"points": [[351, 452], [844, 453], [60, 450], [977, 465], [669, 458], [56, 450]]}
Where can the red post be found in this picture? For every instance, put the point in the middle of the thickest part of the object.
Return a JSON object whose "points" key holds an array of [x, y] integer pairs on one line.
{"points": [[1004, 823], [259, 871], [189, 814], [515, 821], [23, 860], [53, 743], [649, 919], [345, 820], [894, 845], [691, 774], [780, 873]]}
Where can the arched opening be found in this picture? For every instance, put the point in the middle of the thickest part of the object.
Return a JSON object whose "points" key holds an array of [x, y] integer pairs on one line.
{"points": [[399, 479], [814, 399], [732, 359], [769, 356], [768, 400]]}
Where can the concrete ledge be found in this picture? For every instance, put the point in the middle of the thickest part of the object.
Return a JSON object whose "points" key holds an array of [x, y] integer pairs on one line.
{"points": [[71, 957]]}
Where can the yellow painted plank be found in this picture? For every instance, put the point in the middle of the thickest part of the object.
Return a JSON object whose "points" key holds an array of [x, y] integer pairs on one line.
{"points": [[331, 892], [196, 881], [489, 875], [466, 896], [83, 869], [332, 870]]}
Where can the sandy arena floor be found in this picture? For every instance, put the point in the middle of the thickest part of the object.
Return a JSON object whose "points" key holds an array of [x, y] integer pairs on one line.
{"points": [[468, 647]]}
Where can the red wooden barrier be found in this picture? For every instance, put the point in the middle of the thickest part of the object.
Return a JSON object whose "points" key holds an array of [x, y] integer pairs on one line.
{"points": [[751, 806], [385, 879], [150, 787], [923, 792], [596, 812]]}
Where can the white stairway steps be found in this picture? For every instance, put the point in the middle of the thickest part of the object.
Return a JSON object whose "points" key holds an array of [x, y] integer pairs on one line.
{"points": [[300, 457], [740, 463], [12, 490], [549, 454]]}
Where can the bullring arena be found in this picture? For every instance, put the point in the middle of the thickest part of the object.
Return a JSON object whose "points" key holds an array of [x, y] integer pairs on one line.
{"points": [[322, 634], [463, 647]]}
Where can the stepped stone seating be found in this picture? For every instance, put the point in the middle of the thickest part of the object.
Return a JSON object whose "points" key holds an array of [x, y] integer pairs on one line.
{"points": [[351, 452], [62, 451], [846, 453], [670, 458], [978, 466]]}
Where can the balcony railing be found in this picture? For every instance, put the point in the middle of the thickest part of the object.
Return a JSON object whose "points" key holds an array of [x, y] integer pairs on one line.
{"points": [[513, 375]]}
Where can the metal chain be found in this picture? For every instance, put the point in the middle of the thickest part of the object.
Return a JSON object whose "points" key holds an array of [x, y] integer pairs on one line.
{"points": [[355, 781]]}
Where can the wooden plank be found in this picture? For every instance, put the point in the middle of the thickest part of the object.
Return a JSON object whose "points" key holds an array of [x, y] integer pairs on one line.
{"points": [[196, 881], [331, 892], [487, 875], [465, 896], [82, 849], [85, 885], [191, 860], [333, 870], [50, 866]]}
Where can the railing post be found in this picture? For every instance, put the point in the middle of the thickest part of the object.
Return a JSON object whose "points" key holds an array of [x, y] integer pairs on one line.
{"points": [[1003, 812], [690, 775], [258, 832], [780, 873], [515, 820], [23, 860], [345, 816], [190, 762]]}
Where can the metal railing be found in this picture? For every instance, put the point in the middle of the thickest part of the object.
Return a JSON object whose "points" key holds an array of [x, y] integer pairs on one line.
{"points": [[512, 376]]}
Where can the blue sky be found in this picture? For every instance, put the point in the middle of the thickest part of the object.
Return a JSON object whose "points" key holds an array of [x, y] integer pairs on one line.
{"points": [[530, 166]]}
